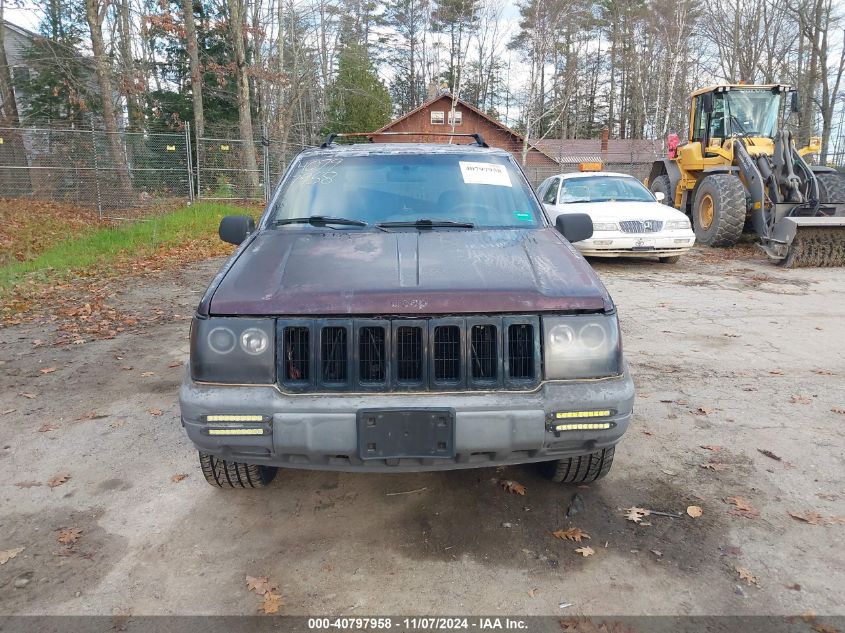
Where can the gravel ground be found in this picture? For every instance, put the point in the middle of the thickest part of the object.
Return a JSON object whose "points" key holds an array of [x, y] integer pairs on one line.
{"points": [[730, 353]]}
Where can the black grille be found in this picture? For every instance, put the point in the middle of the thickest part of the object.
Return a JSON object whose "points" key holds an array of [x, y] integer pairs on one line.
{"points": [[483, 353], [296, 354], [333, 363], [447, 353], [521, 350], [371, 355], [409, 360], [429, 354]]}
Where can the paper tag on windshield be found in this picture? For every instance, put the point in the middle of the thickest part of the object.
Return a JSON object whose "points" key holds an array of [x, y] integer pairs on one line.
{"points": [[485, 174]]}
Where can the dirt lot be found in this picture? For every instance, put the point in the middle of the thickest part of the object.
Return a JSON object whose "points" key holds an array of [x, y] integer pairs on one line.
{"points": [[736, 354]]}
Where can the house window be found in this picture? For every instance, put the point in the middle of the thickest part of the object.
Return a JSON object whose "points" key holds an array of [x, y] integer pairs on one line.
{"points": [[437, 117], [458, 117]]}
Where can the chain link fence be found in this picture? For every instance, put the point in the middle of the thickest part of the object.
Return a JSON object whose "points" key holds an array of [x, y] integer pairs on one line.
{"points": [[123, 175]]}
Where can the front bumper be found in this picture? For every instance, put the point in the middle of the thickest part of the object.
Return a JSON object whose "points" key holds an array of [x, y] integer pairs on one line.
{"points": [[616, 243], [318, 431]]}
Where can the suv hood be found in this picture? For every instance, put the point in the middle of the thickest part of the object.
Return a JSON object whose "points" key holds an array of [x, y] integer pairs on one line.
{"points": [[291, 272]]}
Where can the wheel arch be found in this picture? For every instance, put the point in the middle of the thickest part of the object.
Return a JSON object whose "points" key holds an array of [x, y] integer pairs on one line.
{"points": [[665, 167]]}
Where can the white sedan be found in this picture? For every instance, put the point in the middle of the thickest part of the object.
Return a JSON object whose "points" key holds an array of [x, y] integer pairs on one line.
{"points": [[628, 220]]}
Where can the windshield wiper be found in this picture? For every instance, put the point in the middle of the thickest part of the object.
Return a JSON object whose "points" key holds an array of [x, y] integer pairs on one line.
{"points": [[425, 223], [320, 220]]}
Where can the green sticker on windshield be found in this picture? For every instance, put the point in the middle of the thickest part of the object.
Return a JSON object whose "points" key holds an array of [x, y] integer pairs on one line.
{"points": [[523, 216]]}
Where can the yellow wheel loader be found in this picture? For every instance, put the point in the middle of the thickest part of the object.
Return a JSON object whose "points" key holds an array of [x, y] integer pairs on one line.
{"points": [[740, 169]]}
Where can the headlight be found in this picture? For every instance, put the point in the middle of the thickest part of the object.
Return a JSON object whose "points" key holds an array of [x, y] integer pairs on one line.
{"points": [[233, 350], [674, 225], [583, 346], [605, 226]]}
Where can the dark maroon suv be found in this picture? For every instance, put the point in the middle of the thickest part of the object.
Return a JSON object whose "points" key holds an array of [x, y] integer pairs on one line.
{"points": [[405, 307]]}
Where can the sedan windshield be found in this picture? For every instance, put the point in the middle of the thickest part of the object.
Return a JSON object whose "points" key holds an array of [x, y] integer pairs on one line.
{"points": [[439, 191], [603, 189]]}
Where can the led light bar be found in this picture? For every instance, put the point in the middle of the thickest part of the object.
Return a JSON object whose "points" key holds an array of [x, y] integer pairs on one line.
{"points": [[236, 431], [565, 415], [235, 418], [583, 426]]}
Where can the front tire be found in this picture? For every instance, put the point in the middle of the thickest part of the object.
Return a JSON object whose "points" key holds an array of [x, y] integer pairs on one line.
{"points": [[663, 185], [718, 212], [831, 187], [582, 469], [224, 473]]}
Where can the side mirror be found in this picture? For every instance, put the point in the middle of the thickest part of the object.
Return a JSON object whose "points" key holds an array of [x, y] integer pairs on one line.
{"points": [[659, 196], [794, 102], [574, 226], [235, 228], [707, 102]]}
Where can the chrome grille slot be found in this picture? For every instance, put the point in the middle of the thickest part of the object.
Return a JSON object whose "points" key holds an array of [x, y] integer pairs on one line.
{"points": [[333, 354], [641, 226], [447, 353], [372, 355]]}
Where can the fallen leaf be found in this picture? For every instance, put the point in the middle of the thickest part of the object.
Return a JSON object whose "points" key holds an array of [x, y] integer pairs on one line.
{"points": [[127, 368], [154, 411], [91, 415], [747, 576], [48, 370], [46, 428], [69, 536], [147, 374], [813, 518], [271, 603], [800, 399], [825, 628], [572, 534], [705, 410], [742, 507], [636, 514], [512, 486], [260, 584], [671, 473], [27, 484], [8, 411], [769, 454], [809, 616], [694, 511], [179, 477], [586, 551], [58, 480], [117, 424], [776, 372], [30, 396], [840, 410], [8, 554], [176, 363], [717, 466], [711, 447], [794, 587]]}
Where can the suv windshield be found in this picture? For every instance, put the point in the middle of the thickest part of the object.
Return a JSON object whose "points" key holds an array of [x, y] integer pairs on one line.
{"points": [[602, 189], [484, 190]]}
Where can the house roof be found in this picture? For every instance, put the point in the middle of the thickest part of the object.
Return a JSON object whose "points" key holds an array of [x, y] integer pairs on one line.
{"points": [[447, 95], [569, 151], [20, 30]]}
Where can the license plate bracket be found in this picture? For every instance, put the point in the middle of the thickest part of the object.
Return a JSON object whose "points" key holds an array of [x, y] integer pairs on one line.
{"points": [[406, 433]]}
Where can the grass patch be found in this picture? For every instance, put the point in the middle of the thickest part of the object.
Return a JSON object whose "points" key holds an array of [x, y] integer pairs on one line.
{"points": [[194, 228]]}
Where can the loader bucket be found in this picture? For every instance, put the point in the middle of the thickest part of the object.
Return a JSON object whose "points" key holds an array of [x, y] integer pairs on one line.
{"points": [[808, 242]]}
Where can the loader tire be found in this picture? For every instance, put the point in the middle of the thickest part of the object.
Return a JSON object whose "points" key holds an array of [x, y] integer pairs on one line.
{"points": [[663, 185], [718, 211], [579, 470], [224, 473], [831, 187]]}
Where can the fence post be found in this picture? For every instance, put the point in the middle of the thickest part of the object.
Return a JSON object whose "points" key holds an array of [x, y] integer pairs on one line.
{"points": [[265, 150], [96, 172], [190, 163]]}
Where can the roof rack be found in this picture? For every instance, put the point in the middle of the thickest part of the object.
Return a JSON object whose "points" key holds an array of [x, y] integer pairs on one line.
{"points": [[479, 140]]}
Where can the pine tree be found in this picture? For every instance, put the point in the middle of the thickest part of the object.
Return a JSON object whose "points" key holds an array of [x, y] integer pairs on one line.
{"points": [[358, 100]]}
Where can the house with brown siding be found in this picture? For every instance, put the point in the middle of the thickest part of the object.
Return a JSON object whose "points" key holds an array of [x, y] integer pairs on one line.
{"points": [[436, 116]]}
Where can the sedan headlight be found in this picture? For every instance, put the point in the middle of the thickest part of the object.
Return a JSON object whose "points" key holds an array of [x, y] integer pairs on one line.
{"points": [[581, 346], [605, 226], [233, 350], [676, 225]]}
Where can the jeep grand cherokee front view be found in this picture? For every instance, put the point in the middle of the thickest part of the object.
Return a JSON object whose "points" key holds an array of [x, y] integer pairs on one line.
{"points": [[405, 307]]}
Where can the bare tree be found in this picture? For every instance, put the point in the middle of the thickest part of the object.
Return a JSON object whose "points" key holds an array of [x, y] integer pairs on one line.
{"points": [[196, 70]]}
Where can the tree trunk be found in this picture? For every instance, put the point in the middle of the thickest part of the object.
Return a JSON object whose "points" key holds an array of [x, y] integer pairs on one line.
{"points": [[7, 93], [133, 108], [196, 71], [94, 13], [236, 31]]}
